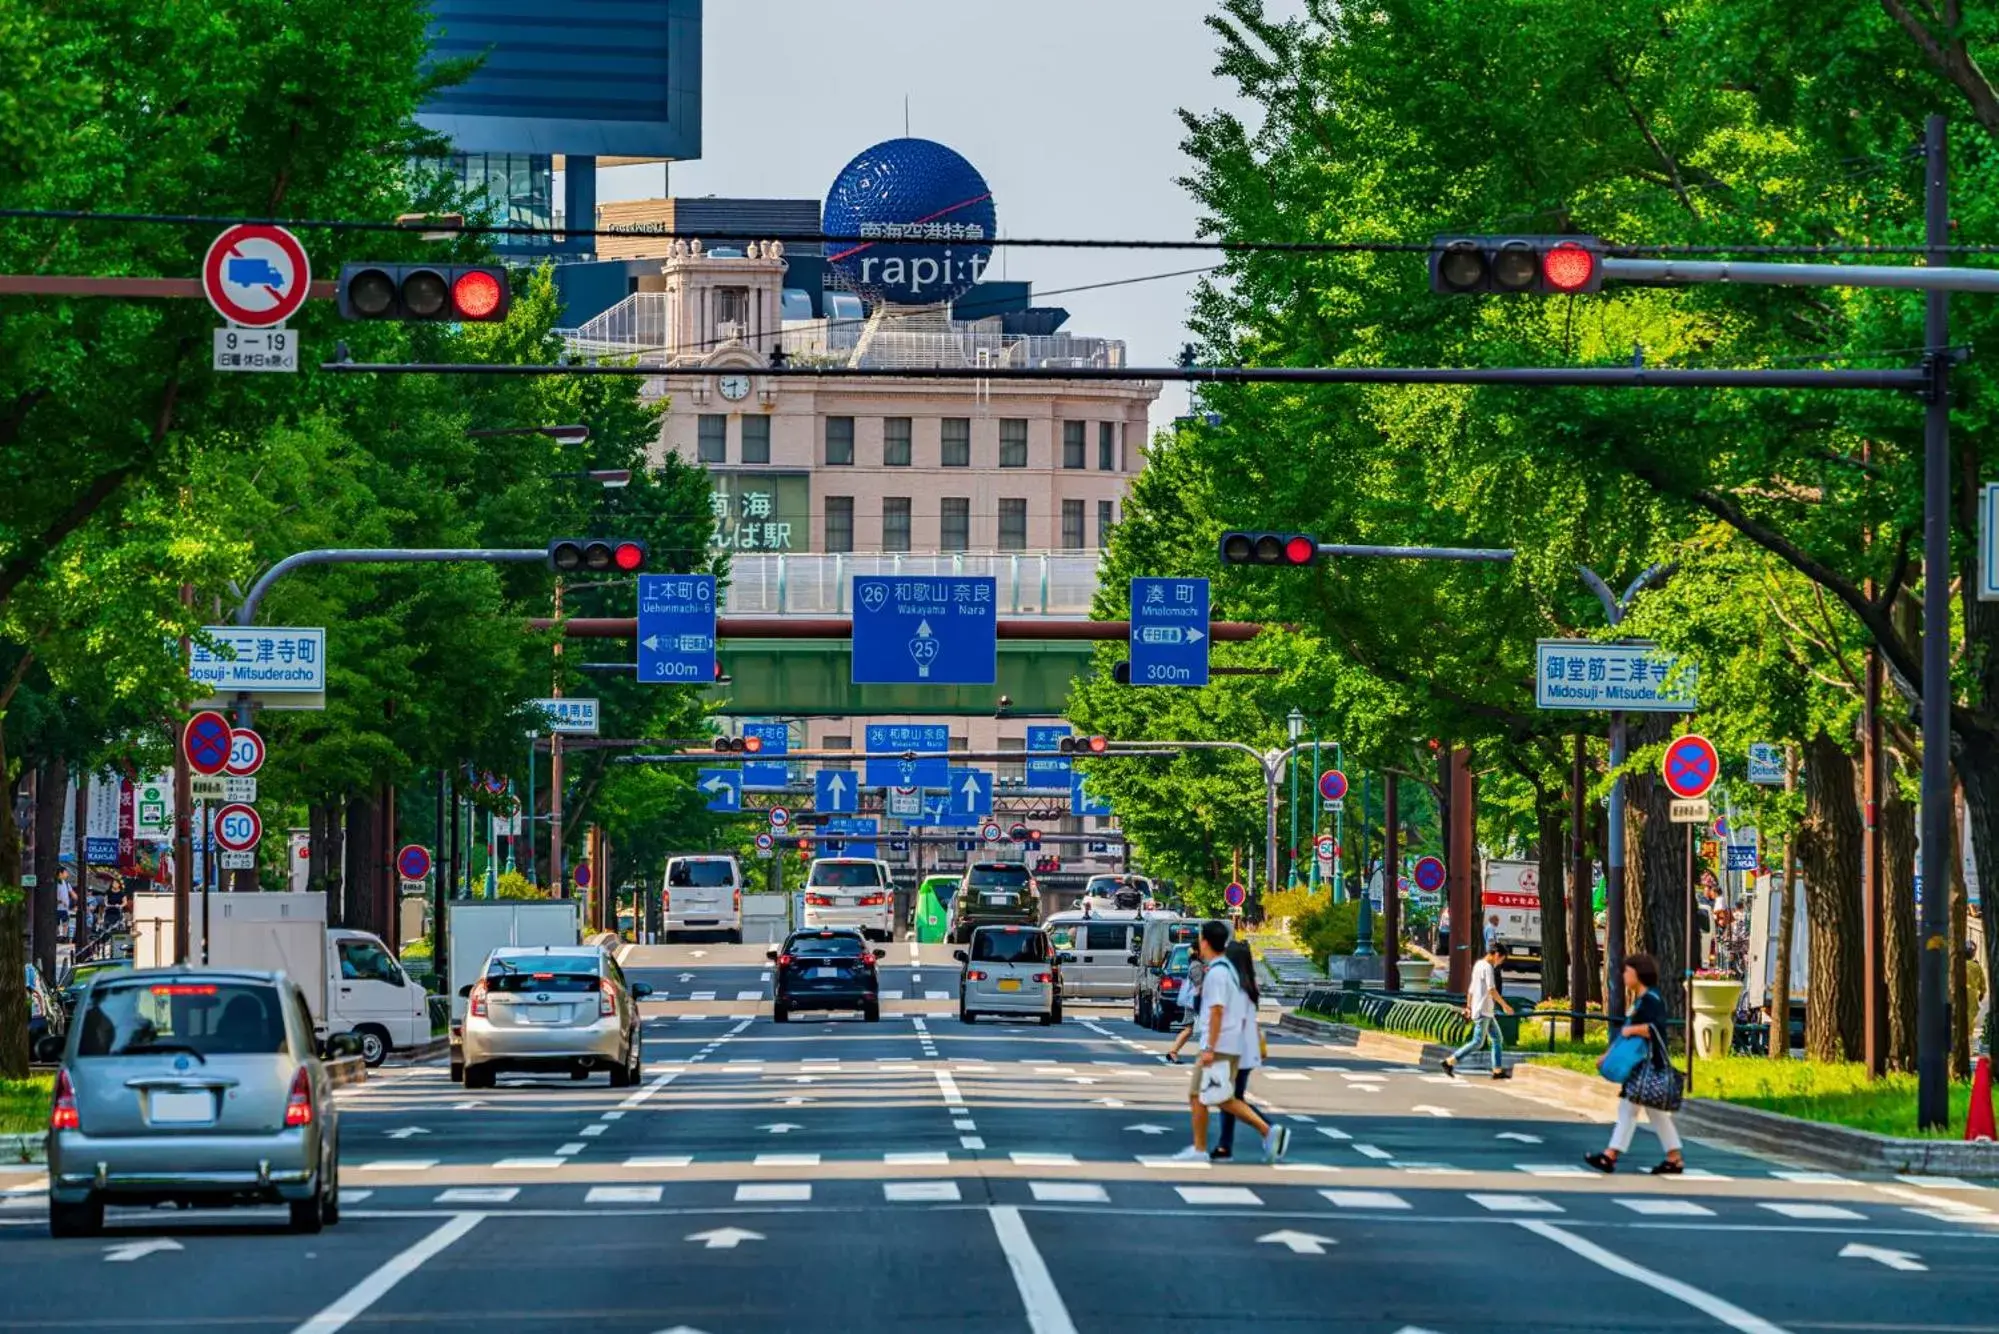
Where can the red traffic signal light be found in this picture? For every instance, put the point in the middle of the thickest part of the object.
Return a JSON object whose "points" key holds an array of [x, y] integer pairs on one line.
{"points": [[1083, 745], [626, 555], [1547, 265], [1249, 548], [466, 293], [738, 745]]}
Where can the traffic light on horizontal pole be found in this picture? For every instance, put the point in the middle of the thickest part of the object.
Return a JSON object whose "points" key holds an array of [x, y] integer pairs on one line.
{"points": [[461, 293], [1245, 548], [604, 555], [1082, 745], [1544, 265]]}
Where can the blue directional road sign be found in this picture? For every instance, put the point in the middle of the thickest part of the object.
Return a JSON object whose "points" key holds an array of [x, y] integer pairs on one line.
{"points": [[676, 630], [765, 773], [1052, 773], [926, 630], [929, 741], [970, 792], [1081, 802], [1169, 632], [939, 810], [722, 787], [862, 832], [837, 791]]}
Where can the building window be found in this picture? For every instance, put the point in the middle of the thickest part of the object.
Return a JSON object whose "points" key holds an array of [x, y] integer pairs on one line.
{"points": [[756, 440], [840, 441], [895, 442], [517, 189], [1107, 446], [957, 443], [1013, 442], [1013, 525], [732, 311], [1128, 450], [895, 523], [1072, 525], [1106, 520], [954, 524], [839, 523], [714, 436], [1072, 445], [1013, 772], [831, 742]]}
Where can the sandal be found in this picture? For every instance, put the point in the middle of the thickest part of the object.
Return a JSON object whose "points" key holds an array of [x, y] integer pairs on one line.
{"points": [[1672, 1167], [1602, 1162]]}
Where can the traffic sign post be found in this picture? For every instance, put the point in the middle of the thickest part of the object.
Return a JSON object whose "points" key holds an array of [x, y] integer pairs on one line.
{"points": [[1235, 895], [246, 753], [971, 792], [722, 787], [926, 630], [206, 742], [1082, 802], [1333, 785], [835, 792], [676, 629], [780, 818], [238, 828], [1050, 774], [582, 875], [930, 742], [1428, 874], [990, 832], [1766, 764], [1690, 766], [256, 276], [413, 862], [772, 770], [1169, 632]]}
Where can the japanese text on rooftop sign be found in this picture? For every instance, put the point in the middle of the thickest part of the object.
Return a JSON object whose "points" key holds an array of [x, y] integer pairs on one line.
{"points": [[1637, 678], [262, 659]]}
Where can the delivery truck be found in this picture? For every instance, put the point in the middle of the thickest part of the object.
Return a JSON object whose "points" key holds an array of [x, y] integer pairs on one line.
{"points": [[351, 981], [1513, 895]]}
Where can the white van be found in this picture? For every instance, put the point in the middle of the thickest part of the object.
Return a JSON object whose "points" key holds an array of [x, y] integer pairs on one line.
{"points": [[852, 892], [703, 892], [1101, 945]]}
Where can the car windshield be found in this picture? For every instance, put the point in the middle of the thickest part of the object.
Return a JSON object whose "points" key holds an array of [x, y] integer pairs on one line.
{"points": [[846, 875], [1012, 946], [196, 1017], [543, 972], [705, 873], [998, 877], [829, 945]]}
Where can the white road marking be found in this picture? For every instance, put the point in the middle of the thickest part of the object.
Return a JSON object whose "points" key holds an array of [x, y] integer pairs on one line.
{"points": [[1906, 1261], [1515, 1204], [1815, 1212], [763, 977], [357, 1299], [591, 1132], [1707, 1303], [964, 1123], [749, 995], [1432, 1109], [1044, 1159], [398, 1165], [1285, 1074], [936, 995], [348, 1197], [1300, 1243], [530, 1162], [1068, 1192], [1516, 1135], [949, 1088], [935, 1158], [1173, 1163], [694, 1018], [126, 1251], [1333, 1132], [1554, 1169], [660, 1160], [921, 1192], [1370, 1151], [478, 1195], [971, 1142], [1938, 1183], [570, 1149], [1667, 1208], [773, 1192], [623, 1195], [644, 1095], [1218, 1195], [1363, 1199], [1814, 1178], [787, 1160], [724, 1239], [1046, 1313], [891, 995]]}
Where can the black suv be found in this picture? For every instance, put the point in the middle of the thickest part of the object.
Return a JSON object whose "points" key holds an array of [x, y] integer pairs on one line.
{"points": [[826, 969], [994, 894]]}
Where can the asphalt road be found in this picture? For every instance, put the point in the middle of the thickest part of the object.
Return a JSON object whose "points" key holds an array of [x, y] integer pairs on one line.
{"points": [[917, 1174]]}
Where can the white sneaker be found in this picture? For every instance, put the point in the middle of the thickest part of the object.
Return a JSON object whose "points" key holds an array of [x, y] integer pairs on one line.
{"points": [[1189, 1154], [1276, 1143]]}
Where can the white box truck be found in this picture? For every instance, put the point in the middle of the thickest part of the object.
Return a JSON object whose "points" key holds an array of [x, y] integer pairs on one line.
{"points": [[1513, 895], [474, 928], [351, 981]]}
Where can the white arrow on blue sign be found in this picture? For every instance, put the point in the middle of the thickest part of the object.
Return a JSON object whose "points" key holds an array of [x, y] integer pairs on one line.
{"points": [[676, 630], [722, 787], [926, 630], [1169, 632], [1081, 802], [971, 792], [836, 791]]}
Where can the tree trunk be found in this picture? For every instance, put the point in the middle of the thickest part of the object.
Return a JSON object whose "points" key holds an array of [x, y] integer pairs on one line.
{"points": [[82, 857], [1656, 877], [1829, 851], [1898, 917], [1960, 989], [1779, 1006], [13, 958], [359, 901], [1551, 820], [51, 792]]}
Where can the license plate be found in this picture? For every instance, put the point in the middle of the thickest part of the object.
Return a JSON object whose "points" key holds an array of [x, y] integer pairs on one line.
{"points": [[845, 902], [543, 1014], [825, 972], [999, 900], [1010, 984], [182, 1109]]}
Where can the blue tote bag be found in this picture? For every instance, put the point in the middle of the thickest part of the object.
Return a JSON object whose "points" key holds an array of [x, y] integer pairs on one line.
{"points": [[1623, 1056]]}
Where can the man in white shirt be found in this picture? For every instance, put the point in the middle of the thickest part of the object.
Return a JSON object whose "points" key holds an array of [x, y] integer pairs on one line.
{"points": [[1222, 1034], [1479, 1001]]}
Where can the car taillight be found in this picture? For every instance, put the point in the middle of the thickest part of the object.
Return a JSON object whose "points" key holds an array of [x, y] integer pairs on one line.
{"points": [[62, 1116], [975, 976], [865, 961], [607, 997], [1169, 984], [784, 961], [739, 900], [298, 1107], [819, 900], [665, 900], [477, 1008], [873, 900], [1044, 977]]}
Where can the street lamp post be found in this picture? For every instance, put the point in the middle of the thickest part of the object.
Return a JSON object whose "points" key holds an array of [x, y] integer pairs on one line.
{"points": [[1294, 728]]}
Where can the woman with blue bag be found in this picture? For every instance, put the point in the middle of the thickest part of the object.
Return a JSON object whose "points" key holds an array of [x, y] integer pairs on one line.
{"points": [[1638, 1061]]}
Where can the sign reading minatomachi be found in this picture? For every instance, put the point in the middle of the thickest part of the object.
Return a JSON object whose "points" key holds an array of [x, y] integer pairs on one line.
{"points": [[1637, 678]]}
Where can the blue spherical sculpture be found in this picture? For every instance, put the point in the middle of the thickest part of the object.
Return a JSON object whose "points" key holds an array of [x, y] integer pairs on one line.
{"points": [[903, 190]]}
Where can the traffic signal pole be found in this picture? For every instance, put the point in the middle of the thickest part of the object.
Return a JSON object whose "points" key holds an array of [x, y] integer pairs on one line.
{"points": [[1938, 798]]}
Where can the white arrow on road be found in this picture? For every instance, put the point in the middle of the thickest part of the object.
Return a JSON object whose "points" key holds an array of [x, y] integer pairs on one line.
{"points": [[404, 1132], [1431, 1109], [805, 1079], [1301, 1243], [793, 1102], [1905, 1261], [132, 1250], [1514, 1134], [725, 1238], [700, 954], [1146, 1128], [466, 1106], [686, 977], [781, 1127]]}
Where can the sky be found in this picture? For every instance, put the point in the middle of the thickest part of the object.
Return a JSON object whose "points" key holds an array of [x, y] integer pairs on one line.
{"points": [[1067, 107]]}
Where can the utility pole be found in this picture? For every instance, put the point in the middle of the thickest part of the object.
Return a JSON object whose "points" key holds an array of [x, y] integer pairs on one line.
{"points": [[1391, 885], [183, 826], [557, 873], [1582, 922]]}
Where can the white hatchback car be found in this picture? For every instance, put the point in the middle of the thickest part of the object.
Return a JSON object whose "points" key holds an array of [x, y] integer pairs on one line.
{"points": [[851, 892]]}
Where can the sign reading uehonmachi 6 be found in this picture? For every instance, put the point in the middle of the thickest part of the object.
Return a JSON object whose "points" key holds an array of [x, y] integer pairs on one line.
{"points": [[261, 659], [767, 773], [1169, 632], [926, 630], [676, 629], [1637, 678]]}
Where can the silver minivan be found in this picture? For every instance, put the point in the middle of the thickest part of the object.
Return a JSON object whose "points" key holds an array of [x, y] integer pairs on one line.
{"points": [[1102, 944], [193, 1085], [704, 892], [1010, 970]]}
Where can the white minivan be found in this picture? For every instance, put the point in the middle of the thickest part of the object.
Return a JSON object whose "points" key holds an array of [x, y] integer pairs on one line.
{"points": [[851, 892], [703, 892]]}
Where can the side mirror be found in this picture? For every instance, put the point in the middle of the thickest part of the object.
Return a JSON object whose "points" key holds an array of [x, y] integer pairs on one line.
{"points": [[881, 954], [640, 990], [960, 956], [771, 955], [466, 990], [1132, 958]]}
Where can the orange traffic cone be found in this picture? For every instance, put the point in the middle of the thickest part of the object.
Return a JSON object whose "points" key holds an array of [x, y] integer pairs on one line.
{"points": [[1978, 1120]]}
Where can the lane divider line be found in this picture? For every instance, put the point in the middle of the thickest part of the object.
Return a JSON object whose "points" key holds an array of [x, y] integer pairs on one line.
{"points": [[1716, 1308], [351, 1304], [1046, 1312]]}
